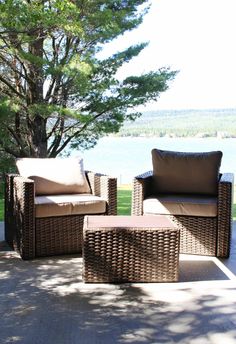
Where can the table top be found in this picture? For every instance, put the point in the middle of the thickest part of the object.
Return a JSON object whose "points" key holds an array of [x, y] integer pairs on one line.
{"points": [[152, 221]]}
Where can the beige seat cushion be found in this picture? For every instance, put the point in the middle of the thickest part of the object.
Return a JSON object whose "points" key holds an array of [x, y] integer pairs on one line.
{"points": [[186, 172], [55, 176], [181, 205], [60, 205]]}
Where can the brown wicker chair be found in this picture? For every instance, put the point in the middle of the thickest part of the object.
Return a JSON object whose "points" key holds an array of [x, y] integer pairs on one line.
{"points": [[200, 235], [33, 236]]}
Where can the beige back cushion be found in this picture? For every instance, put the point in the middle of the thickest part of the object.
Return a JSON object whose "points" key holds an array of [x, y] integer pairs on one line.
{"points": [[186, 173], [55, 175]]}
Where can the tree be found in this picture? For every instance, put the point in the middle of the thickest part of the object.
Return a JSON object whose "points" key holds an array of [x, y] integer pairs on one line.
{"points": [[54, 90]]}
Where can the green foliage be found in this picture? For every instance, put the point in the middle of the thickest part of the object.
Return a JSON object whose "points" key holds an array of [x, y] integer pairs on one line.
{"points": [[7, 165], [60, 94]]}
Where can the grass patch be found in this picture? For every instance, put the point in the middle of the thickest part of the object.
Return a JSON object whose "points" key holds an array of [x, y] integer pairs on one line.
{"points": [[124, 200], [234, 212]]}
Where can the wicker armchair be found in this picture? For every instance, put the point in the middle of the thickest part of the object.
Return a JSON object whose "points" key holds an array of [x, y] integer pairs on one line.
{"points": [[34, 236], [202, 235]]}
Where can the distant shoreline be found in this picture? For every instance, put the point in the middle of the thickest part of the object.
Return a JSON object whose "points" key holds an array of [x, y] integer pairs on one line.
{"points": [[174, 136], [218, 123]]}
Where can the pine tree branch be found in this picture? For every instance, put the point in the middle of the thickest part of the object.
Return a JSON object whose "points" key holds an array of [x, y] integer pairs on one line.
{"points": [[57, 140], [4, 81], [15, 70], [9, 150], [68, 140]]}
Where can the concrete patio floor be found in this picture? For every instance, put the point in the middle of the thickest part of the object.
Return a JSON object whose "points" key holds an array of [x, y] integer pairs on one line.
{"points": [[45, 301]]}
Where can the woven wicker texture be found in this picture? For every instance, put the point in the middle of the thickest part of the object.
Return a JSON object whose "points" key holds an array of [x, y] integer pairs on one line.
{"points": [[33, 237], [59, 235], [8, 209], [118, 254], [198, 235]]}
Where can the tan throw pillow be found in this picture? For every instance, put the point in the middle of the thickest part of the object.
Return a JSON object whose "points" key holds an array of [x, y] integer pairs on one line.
{"points": [[186, 173], [55, 175]]}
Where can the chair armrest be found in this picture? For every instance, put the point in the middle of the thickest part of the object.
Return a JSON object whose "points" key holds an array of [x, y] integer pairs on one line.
{"points": [[141, 189], [9, 225], [9, 193], [227, 178], [106, 187], [24, 215], [225, 205]]}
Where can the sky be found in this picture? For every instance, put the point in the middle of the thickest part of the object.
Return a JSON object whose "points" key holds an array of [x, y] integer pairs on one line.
{"points": [[195, 37]]}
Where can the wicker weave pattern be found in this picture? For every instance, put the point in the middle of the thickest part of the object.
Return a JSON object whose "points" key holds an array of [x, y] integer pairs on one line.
{"points": [[138, 192], [24, 214], [47, 236], [9, 218], [225, 223], [198, 235], [106, 187], [130, 255], [58, 235]]}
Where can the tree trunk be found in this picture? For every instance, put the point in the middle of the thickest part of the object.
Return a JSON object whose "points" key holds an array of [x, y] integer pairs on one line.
{"points": [[39, 137], [38, 123]]}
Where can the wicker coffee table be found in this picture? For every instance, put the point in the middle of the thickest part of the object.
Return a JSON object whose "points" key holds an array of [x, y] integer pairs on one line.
{"points": [[121, 249]]}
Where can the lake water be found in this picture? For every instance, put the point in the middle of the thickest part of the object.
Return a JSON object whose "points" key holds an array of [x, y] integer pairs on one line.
{"points": [[126, 157]]}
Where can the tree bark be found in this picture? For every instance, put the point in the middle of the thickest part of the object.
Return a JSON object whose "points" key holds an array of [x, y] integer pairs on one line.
{"points": [[39, 137], [38, 122]]}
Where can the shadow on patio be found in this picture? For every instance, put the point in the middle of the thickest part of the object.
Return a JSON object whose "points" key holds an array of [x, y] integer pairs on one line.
{"points": [[45, 301]]}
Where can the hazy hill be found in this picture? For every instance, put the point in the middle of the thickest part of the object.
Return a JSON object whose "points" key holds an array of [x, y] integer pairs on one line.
{"points": [[202, 123]]}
